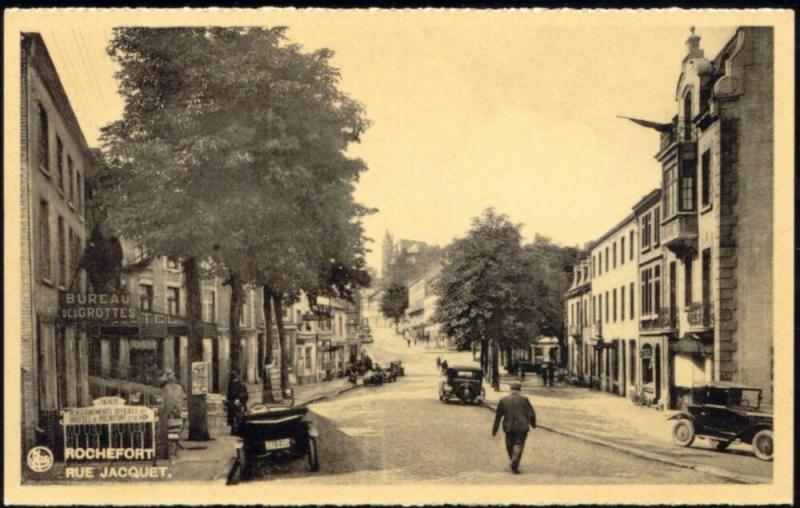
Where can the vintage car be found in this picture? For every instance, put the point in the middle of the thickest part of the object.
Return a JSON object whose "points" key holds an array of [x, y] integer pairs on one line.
{"points": [[397, 367], [270, 432], [724, 413], [373, 378], [462, 382], [388, 373]]}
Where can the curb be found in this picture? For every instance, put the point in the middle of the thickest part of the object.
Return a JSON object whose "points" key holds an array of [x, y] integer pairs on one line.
{"points": [[714, 471], [319, 398]]}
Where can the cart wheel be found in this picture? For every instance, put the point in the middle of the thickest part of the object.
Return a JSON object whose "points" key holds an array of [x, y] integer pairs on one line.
{"points": [[683, 432], [721, 446], [762, 444], [313, 455]]}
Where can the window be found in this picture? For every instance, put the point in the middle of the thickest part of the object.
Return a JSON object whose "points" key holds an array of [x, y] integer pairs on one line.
{"points": [[146, 297], [614, 307], [614, 254], [79, 191], [209, 306], [44, 140], [705, 178], [594, 262], [645, 227], [670, 192], [622, 250], [173, 301], [632, 243], [622, 303], [308, 357], [656, 226], [71, 176], [706, 276], [645, 292], [632, 299], [594, 309], [60, 164], [687, 193], [600, 263], [44, 239], [62, 253], [606, 258], [600, 308], [687, 116], [687, 281], [172, 263], [656, 288], [607, 306]]}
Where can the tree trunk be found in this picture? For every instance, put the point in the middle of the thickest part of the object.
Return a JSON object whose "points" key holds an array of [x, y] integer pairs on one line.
{"points": [[235, 318], [198, 407], [267, 394], [277, 301], [494, 367], [484, 356]]}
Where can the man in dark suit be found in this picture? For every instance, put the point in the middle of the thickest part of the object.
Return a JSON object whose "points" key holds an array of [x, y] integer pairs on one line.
{"points": [[516, 412]]}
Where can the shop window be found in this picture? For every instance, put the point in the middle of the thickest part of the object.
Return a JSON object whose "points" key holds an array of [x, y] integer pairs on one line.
{"points": [[647, 364]]}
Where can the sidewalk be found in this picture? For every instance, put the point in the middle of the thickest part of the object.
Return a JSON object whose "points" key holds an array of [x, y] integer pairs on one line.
{"points": [[613, 421]]}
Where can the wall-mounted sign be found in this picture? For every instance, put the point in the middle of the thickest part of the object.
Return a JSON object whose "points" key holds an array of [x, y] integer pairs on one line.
{"points": [[109, 430], [199, 378], [96, 307]]}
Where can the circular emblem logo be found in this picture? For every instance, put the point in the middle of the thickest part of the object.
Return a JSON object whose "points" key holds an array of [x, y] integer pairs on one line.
{"points": [[40, 459]]}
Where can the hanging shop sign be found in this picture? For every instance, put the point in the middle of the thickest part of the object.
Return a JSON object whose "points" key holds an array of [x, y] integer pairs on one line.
{"points": [[75, 306]]}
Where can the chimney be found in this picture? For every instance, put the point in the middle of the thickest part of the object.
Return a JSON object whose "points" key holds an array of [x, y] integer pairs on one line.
{"points": [[693, 45]]}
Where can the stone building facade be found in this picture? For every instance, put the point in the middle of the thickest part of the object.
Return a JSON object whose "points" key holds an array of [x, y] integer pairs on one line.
{"points": [[54, 230]]}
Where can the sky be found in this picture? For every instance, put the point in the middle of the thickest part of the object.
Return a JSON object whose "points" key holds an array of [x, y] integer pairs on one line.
{"points": [[504, 109]]}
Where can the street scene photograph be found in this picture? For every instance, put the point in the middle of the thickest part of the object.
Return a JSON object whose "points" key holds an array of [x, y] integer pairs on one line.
{"points": [[280, 250]]}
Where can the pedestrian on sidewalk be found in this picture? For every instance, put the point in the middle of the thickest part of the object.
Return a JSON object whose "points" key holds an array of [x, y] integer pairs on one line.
{"points": [[236, 399], [438, 362], [517, 414]]}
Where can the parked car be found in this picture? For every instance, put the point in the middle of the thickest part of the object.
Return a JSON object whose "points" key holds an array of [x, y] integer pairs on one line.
{"points": [[464, 383], [388, 373], [725, 413], [398, 368], [272, 431], [373, 378]]}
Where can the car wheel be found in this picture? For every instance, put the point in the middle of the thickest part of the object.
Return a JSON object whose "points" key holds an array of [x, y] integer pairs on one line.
{"points": [[313, 455], [683, 432], [762, 444]]}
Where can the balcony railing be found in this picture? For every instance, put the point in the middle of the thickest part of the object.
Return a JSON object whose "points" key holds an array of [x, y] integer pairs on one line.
{"points": [[664, 319], [680, 232], [700, 315]]}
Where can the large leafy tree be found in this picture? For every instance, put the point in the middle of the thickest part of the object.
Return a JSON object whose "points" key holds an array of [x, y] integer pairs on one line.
{"points": [[232, 140], [479, 286], [394, 302]]}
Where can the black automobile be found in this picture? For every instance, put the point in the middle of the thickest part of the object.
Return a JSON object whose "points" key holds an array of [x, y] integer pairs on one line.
{"points": [[388, 373], [462, 382], [373, 378], [725, 413], [397, 368], [271, 432]]}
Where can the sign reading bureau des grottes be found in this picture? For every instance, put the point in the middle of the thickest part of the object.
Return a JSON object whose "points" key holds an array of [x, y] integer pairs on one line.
{"points": [[75, 306]]}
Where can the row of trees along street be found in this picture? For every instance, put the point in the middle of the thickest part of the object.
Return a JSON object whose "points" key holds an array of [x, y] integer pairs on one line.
{"points": [[231, 156], [497, 293]]}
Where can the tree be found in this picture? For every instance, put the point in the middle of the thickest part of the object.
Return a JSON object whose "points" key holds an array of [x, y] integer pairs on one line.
{"points": [[479, 299], [394, 302]]}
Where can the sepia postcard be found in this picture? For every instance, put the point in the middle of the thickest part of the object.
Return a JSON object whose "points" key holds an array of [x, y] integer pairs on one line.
{"points": [[398, 256]]}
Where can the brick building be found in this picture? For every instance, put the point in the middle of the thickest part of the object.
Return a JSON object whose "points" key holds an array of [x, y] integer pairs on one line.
{"points": [[54, 230]]}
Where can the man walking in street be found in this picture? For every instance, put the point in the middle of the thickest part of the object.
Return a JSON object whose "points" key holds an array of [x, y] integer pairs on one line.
{"points": [[516, 413]]}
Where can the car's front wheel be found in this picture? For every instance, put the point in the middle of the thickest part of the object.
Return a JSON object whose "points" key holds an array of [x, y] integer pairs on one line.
{"points": [[762, 444], [683, 433], [313, 454]]}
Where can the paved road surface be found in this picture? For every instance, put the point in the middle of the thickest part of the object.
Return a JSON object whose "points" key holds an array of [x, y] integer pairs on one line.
{"points": [[401, 433]]}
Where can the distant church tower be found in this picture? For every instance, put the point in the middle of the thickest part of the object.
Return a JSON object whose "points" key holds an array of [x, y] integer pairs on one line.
{"points": [[388, 254]]}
